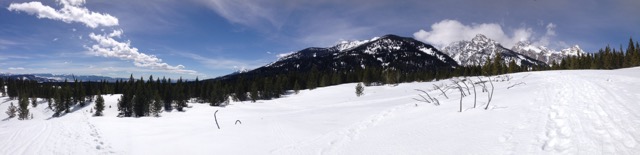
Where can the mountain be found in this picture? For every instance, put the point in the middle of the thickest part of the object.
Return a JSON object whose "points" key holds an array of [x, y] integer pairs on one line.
{"points": [[544, 54], [480, 48], [389, 52], [59, 77]]}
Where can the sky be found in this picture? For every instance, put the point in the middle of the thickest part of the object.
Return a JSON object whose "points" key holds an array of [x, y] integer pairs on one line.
{"points": [[211, 38]]}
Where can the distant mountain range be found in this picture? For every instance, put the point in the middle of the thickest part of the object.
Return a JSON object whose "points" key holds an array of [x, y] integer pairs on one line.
{"points": [[59, 77], [389, 52], [544, 54], [480, 49]]}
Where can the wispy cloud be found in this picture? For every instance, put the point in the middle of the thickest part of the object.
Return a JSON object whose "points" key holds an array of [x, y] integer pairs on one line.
{"points": [[107, 45], [15, 68], [4, 44], [222, 63]]}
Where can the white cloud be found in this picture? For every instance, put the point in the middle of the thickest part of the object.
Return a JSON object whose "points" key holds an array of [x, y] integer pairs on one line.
{"points": [[55, 39], [446, 32], [115, 33], [548, 36], [222, 63], [4, 44], [109, 47], [71, 11], [72, 2], [16, 68], [248, 12], [281, 55]]}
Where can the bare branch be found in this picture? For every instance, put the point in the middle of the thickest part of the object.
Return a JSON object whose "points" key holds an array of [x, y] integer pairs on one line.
{"points": [[216, 117], [516, 85], [475, 96], [490, 94], [445, 94]]}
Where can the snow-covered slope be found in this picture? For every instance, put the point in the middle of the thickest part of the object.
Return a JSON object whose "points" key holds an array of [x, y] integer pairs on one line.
{"points": [[551, 112], [544, 54], [481, 48]]}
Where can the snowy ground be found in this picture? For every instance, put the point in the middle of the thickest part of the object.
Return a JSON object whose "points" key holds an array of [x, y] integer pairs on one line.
{"points": [[552, 112]]}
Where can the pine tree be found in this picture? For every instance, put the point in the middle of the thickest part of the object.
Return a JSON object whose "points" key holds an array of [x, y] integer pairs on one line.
{"points": [[141, 99], [296, 87], [58, 101], [99, 105], [359, 90], [34, 102], [23, 108], [11, 111], [181, 100], [497, 64], [254, 91], [156, 108], [3, 91]]}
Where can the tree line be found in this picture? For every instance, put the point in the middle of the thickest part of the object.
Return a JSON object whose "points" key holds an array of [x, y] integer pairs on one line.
{"points": [[148, 97]]}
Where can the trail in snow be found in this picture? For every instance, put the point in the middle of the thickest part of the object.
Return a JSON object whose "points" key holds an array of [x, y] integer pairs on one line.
{"points": [[591, 119]]}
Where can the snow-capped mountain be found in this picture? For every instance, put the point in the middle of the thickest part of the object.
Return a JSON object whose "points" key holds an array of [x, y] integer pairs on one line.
{"points": [[544, 54], [389, 51], [386, 52], [481, 48]]}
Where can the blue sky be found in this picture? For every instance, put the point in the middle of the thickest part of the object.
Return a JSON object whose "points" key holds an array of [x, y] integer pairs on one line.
{"points": [[210, 38]]}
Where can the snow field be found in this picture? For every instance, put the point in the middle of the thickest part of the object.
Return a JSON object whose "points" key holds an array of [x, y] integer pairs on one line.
{"points": [[550, 112]]}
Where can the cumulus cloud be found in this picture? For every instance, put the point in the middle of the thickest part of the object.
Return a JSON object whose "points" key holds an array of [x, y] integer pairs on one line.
{"points": [[546, 39], [446, 32], [115, 33], [109, 47], [71, 11]]}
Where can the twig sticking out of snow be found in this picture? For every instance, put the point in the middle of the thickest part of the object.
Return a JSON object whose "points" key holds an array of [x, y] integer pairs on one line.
{"points": [[521, 83], [445, 94], [216, 118], [434, 100], [490, 94]]}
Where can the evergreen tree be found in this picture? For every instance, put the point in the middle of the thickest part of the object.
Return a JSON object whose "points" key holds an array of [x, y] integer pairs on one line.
{"points": [[496, 66], [34, 101], [156, 108], [181, 99], [141, 100], [11, 111], [3, 91], [125, 103], [296, 87], [254, 92], [23, 108], [59, 105], [99, 105], [312, 79], [359, 90]]}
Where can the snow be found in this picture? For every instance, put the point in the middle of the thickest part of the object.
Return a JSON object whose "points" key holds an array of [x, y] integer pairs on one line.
{"points": [[431, 52], [550, 112]]}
